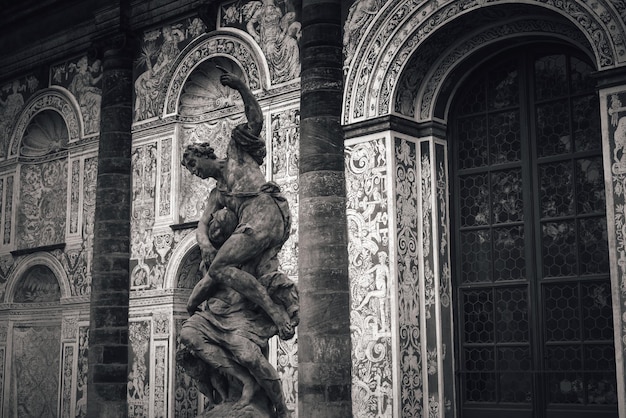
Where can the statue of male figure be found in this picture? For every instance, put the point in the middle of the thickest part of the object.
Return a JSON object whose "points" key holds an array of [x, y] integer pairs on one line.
{"points": [[243, 228]]}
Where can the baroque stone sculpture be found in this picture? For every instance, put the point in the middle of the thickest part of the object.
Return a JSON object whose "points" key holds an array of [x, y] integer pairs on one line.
{"points": [[248, 300]]}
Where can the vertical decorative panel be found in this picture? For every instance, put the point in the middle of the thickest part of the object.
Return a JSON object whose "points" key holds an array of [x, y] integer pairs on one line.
{"points": [[8, 211], [35, 368], [613, 112], [66, 380], [185, 389], [160, 381], [80, 410], [410, 356], [368, 249], [166, 177], [144, 166], [446, 367], [284, 136], [43, 204], [139, 376], [2, 376], [74, 196]]}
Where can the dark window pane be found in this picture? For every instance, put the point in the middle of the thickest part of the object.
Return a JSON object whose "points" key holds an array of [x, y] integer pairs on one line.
{"points": [[553, 131], [504, 137], [597, 313], [506, 189], [512, 315], [557, 189], [476, 256], [478, 310], [560, 256], [586, 128], [473, 142], [581, 76], [561, 311], [503, 86], [508, 253], [593, 249], [474, 200], [590, 195], [550, 77]]}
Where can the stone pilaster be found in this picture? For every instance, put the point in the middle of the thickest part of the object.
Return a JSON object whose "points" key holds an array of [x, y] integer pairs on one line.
{"points": [[108, 327], [613, 114], [324, 365]]}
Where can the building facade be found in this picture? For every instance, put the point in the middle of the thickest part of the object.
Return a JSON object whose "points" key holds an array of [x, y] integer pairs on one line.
{"points": [[456, 172]]}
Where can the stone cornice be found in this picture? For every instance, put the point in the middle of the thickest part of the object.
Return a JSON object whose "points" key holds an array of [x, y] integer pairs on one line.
{"points": [[396, 124]]}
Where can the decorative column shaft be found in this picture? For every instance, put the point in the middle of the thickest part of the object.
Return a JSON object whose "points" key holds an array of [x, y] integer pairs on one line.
{"points": [[108, 327], [324, 365]]}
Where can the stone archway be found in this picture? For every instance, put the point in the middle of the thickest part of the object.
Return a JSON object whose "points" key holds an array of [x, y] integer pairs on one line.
{"points": [[402, 71]]}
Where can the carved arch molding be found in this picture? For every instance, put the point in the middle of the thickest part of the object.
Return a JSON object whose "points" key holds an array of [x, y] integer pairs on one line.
{"points": [[389, 46]]}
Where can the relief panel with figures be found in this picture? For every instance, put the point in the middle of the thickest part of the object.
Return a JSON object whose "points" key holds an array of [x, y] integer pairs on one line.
{"points": [[41, 213], [83, 78], [13, 95], [276, 29], [158, 51]]}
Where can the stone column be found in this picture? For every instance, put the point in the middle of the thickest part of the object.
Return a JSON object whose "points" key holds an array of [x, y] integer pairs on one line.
{"points": [[108, 325], [612, 87], [324, 366]]}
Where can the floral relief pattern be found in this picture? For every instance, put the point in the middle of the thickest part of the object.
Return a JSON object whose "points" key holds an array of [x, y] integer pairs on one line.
{"points": [[408, 280], [368, 241], [617, 139], [139, 374]]}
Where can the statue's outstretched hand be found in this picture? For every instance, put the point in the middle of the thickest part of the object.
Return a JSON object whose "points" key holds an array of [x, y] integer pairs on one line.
{"points": [[232, 81]]}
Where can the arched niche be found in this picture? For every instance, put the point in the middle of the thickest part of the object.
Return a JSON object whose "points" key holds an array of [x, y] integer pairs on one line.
{"points": [[54, 99], [25, 278], [182, 269], [235, 45], [383, 53]]}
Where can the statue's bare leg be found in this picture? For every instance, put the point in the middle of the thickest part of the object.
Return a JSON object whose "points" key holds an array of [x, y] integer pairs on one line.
{"points": [[236, 251]]}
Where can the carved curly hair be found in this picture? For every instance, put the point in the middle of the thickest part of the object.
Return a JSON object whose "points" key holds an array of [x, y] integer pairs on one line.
{"points": [[197, 150]]}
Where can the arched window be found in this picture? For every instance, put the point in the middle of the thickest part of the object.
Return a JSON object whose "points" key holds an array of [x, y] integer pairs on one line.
{"points": [[531, 269]]}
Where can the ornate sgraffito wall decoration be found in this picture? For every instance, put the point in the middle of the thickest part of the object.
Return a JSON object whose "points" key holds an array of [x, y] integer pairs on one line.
{"points": [[160, 381], [368, 241], [408, 280], [66, 380], [144, 163], [8, 211], [186, 392], [38, 284], [35, 371], [42, 208], [2, 375], [400, 29], [139, 373], [613, 111], [84, 80], [360, 14], [74, 196], [285, 143], [166, 177], [276, 29], [158, 52], [80, 409], [13, 95]]}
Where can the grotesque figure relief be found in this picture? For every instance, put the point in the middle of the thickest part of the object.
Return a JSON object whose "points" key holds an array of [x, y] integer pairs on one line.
{"points": [[248, 300]]}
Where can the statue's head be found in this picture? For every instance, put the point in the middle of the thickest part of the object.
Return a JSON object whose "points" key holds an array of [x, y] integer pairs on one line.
{"points": [[199, 159]]}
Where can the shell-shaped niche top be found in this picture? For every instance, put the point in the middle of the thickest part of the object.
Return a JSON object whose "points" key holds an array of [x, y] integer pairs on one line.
{"points": [[203, 92], [45, 134]]}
